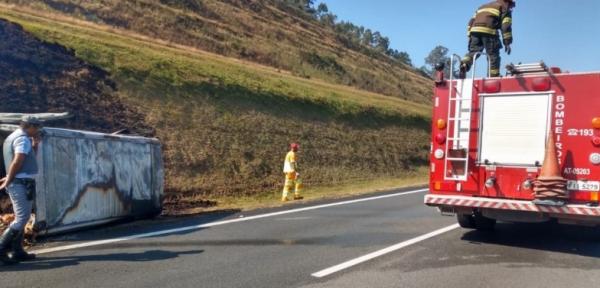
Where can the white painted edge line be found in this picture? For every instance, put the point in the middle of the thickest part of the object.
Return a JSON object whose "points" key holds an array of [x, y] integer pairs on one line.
{"points": [[370, 256], [217, 223]]}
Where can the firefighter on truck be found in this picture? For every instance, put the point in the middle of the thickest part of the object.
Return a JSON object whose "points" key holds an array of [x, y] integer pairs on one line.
{"points": [[483, 34]]}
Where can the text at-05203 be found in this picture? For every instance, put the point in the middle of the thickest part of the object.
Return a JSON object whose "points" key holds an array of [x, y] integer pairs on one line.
{"points": [[577, 171]]}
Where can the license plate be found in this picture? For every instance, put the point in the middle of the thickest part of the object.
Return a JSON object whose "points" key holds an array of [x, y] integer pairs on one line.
{"points": [[584, 185]]}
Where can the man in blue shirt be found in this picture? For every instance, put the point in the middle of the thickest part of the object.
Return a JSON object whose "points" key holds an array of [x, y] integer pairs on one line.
{"points": [[20, 150]]}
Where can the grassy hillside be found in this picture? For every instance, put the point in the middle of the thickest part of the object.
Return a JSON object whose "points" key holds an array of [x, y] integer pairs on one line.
{"points": [[266, 32], [226, 124]]}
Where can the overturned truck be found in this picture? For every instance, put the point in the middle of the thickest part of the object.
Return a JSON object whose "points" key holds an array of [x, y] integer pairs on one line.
{"points": [[88, 178]]}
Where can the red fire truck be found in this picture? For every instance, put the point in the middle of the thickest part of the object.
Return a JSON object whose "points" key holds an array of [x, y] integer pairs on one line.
{"points": [[489, 138]]}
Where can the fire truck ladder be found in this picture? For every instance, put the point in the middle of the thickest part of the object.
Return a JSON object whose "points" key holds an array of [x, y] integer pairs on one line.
{"points": [[458, 132], [532, 68]]}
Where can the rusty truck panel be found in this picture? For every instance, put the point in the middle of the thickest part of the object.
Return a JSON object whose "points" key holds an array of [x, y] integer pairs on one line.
{"points": [[89, 178]]}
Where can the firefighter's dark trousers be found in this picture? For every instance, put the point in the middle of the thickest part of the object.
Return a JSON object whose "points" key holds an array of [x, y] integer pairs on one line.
{"points": [[491, 44]]}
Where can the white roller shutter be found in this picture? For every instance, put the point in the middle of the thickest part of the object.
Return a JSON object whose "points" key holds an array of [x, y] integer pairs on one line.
{"points": [[514, 129]]}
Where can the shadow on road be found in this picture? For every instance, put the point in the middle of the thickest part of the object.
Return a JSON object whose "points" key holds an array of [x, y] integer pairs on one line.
{"points": [[552, 237], [44, 263], [127, 227], [220, 242]]}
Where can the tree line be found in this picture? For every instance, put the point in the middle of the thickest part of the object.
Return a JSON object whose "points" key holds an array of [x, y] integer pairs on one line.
{"points": [[353, 36], [361, 38]]}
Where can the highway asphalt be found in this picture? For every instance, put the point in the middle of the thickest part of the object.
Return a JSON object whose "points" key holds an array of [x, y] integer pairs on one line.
{"points": [[325, 244]]}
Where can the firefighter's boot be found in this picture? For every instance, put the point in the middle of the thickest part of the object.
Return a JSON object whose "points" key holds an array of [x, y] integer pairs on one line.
{"points": [[298, 190], [462, 73], [6, 241], [290, 181], [286, 190], [19, 254]]}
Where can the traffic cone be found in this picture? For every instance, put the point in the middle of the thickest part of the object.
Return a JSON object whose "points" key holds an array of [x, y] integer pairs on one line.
{"points": [[550, 188], [550, 167]]}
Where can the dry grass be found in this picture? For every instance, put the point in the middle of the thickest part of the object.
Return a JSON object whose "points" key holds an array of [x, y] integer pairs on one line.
{"points": [[272, 200], [259, 31], [225, 125]]}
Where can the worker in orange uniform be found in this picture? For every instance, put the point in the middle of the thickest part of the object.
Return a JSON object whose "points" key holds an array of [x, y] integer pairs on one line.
{"points": [[292, 177], [483, 34]]}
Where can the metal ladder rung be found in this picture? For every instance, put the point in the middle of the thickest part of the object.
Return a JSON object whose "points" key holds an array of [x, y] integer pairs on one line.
{"points": [[456, 177], [458, 139], [539, 67], [456, 159], [525, 66], [460, 99], [531, 69], [459, 119], [529, 65]]}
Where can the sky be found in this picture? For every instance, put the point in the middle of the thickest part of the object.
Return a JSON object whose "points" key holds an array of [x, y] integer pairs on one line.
{"points": [[562, 33]]}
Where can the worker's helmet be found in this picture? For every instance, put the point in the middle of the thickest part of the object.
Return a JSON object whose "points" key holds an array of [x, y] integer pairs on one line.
{"points": [[295, 146], [511, 3]]}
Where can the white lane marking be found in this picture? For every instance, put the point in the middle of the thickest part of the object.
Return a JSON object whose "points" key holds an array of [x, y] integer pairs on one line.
{"points": [[217, 223], [294, 218], [370, 256]]}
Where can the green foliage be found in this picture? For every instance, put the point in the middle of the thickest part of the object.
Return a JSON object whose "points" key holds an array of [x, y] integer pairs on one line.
{"points": [[439, 54], [356, 37], [325, 63]]}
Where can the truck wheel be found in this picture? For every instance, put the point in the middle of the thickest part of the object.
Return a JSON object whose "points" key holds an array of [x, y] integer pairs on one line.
{"points": [[483, 223], [466, 221]]}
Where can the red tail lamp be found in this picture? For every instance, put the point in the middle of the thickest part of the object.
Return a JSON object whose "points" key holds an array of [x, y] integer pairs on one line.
{"points": [[491, 86], [441, 124], [440, 138], [596, 141], [542, 84], [596, 123]]}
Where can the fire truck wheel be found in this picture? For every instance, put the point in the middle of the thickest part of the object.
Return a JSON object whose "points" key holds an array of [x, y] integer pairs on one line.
{"points": [[483, 223], [466, 221]]}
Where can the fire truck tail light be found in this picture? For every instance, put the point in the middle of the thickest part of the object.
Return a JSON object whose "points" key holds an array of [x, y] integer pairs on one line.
{"points": [[491, 86], [596, 123], [596, 141], [542, 84], [594, 196], [441, 124], [595, 158], [440, 138]]}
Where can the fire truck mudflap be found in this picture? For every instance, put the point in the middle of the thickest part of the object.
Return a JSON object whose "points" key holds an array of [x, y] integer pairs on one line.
{"points": [[490, 137]]}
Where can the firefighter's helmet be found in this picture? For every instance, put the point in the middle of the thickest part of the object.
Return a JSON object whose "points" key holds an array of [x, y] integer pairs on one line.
{"points": [[295, 146]]}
